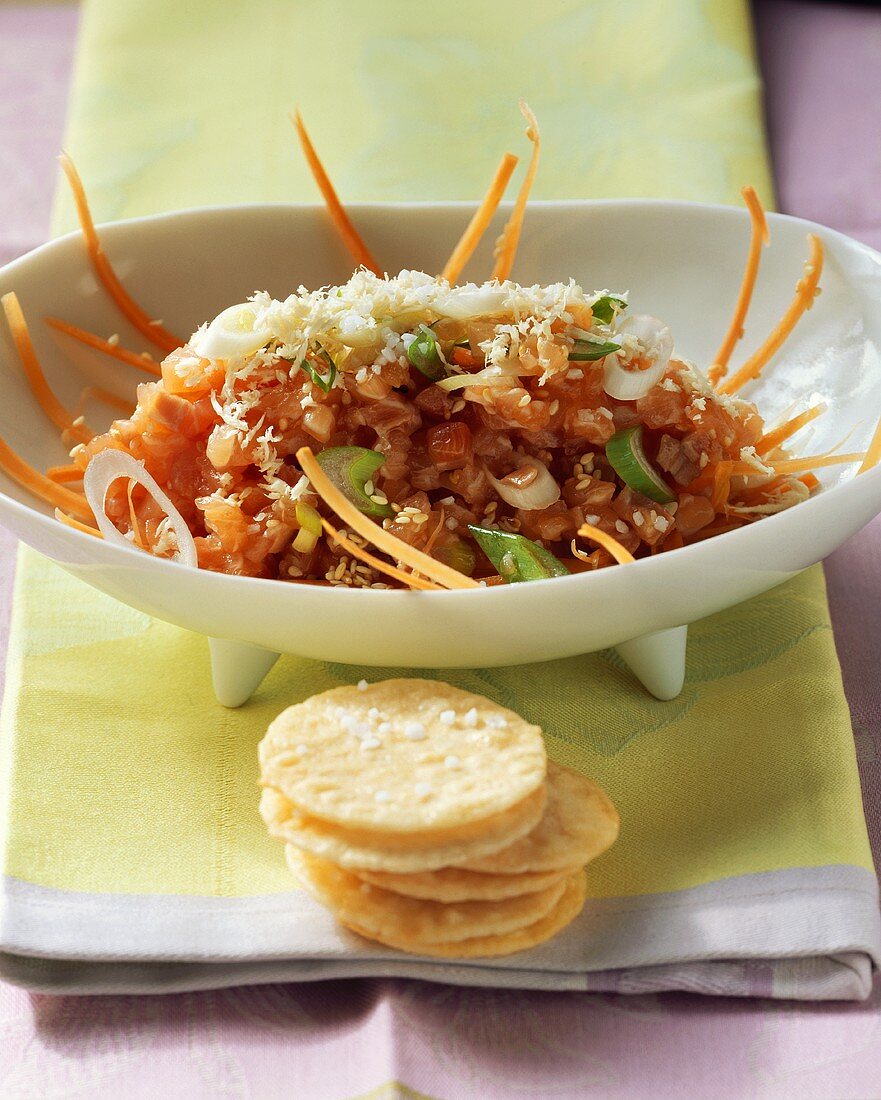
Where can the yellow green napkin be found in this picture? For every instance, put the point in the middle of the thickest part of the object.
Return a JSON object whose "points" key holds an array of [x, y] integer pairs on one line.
{"points": [[123, 776]]}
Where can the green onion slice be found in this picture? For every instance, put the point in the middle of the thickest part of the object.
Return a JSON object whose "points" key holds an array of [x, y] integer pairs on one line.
{"points": [[423, 354], [605, 309], [459, 555], [515, 557], [323, 382], [308, 517], [588, 351], [626, 453], [350, 469]]}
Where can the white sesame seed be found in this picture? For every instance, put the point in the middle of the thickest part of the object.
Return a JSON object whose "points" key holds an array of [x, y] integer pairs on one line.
{"points": [[447, 717], [362, 685], [414, 731], [470, 718], [621, 527], [575, 375], [383, 796], [369, 488], [452, 762], [638, 517], [524, 401]]}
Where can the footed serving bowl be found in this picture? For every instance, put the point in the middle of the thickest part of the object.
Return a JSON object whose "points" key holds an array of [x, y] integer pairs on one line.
{"points": [[680, 261]]}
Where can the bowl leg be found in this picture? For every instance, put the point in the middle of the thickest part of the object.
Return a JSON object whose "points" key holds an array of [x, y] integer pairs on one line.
{"points": [[658, 660], [237, 669]]}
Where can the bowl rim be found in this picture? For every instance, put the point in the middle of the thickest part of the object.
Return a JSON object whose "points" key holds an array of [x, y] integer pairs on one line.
{"points": [[695, 551]]}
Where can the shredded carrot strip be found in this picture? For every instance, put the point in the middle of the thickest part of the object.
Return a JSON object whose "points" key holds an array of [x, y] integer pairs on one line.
{"points": [[811, 481], [99, 394], [805, 292], [356, 551], [153, 330], [721, 484], [142, 362], [770, 441], [61, 417], [376, 535], [618, 552], [14, 466], [758, 240], [479, 224], [506, 248], [462, 357], [140, 540], [873, 454], [62, 474], [797, 465], [350, 236], [69, 521]]}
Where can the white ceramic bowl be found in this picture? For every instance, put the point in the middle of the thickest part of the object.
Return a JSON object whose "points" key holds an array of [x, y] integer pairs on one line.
{"points": [[681, 262]]}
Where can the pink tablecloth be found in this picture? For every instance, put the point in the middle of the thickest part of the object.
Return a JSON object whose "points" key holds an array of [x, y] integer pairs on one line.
{"points": [[346, 1039]]}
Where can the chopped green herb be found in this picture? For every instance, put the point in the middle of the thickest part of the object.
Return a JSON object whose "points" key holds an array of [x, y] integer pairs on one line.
{"points": [[515, 557], [351, 469], [605, 309], [323, 382], [626, 453], [588, 351], [423, 354]]}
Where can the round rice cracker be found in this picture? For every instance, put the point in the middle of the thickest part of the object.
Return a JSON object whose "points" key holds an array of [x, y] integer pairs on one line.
{"points": [[364, 851], [382, 912], [451, 884], [568, 907], [403, 756], [579, 823]]}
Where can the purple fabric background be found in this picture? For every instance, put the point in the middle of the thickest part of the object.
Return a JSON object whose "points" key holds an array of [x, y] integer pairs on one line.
{"points": [[345, 1039]]}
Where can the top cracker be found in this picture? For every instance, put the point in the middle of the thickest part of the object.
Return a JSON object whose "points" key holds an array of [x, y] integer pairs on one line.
{"points": [[402, 756]]}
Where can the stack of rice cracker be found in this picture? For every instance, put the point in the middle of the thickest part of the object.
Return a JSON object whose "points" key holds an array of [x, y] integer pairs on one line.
{"points": [[429, 819]]}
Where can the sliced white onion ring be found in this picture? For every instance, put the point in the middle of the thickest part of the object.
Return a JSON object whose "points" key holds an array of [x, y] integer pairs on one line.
{"points": [[232, 333], [657, 342], [464, 303], [107, 467], [489, 376], [541, 492]]}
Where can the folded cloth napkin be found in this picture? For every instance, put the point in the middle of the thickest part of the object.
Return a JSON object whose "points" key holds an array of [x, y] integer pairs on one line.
{"points": [[134, 858]]}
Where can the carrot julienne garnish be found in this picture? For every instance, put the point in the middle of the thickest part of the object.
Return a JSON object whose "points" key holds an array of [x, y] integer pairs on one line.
{"points": [[614, 547], [62, 418], [14, 466], [350, 236], [410, 579], [479, 224], [758, 240], [142, 362], [805, 292], [810, 481], [797, 465], [62, 474], [153, 330], [510, 238], [873, 454], [97, 393], [380, 538], [69, 521], [770, 441]]}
